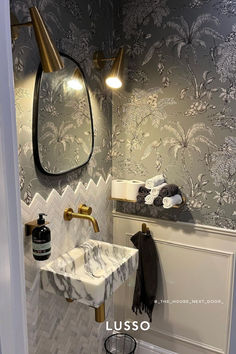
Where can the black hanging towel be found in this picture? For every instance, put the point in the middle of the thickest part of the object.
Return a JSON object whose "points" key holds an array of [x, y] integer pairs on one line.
{"points": [[146, 277]]}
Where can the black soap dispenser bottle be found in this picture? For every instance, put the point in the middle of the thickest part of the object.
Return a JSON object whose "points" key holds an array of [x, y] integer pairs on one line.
{"points": [[41, 240]]}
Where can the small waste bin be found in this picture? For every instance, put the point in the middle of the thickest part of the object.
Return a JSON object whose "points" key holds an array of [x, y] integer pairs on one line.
{"points": [[120, 343]]}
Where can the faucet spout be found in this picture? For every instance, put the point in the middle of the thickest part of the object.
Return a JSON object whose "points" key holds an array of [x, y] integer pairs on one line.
{"points": [[90, 218], [83, 213], [95, 224]]}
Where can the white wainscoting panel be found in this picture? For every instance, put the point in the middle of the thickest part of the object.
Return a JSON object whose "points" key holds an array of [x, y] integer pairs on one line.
{"points": [[196, 263]]}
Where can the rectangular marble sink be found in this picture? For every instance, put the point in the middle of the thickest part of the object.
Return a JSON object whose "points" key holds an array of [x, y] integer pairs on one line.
{"points": [[89, 273]]}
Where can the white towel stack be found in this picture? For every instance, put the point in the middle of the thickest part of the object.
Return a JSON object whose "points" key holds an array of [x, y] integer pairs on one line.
{"points": [[169, 202], [154, 181], [155, 190]]}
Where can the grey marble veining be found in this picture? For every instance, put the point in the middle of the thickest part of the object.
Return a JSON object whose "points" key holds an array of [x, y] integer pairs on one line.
{"points": [[89, 273]]}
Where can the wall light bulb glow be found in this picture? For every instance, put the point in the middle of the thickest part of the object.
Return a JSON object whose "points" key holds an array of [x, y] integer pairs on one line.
{"points": [[75, 84], [114, 82]]}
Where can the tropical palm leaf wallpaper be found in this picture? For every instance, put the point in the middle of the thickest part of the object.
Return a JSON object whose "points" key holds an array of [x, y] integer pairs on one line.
{"points": [[78, 30], [176, 112]]}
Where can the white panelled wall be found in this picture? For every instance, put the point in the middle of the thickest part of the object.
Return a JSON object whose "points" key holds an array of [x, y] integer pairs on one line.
{"points": [[196, 263]]}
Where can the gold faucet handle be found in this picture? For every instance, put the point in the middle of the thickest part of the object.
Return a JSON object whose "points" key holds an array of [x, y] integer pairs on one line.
{"points": [[68, 214], [84, 209]]}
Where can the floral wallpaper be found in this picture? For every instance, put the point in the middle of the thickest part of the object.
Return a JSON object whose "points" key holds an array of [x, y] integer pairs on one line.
{"points": [[77, 28], [176, 112]]}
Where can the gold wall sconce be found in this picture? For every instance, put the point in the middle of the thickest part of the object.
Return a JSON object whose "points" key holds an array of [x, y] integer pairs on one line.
{"points": [[50, 57], [114, 79]]}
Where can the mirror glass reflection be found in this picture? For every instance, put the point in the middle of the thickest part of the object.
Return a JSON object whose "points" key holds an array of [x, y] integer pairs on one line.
{"points": [[63, 127]]}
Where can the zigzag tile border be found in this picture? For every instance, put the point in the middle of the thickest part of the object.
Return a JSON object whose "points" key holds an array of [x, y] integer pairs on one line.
{"points": [[55, 326]]}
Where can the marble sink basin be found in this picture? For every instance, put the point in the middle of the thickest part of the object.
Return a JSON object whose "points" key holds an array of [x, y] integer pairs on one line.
{"points": [[89, 273]]}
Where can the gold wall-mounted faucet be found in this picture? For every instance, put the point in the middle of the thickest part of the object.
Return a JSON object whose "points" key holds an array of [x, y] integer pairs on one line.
{"points": [[84, 212]]}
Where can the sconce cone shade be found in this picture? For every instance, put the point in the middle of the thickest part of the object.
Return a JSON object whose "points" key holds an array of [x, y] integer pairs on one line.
{"points": [[50, 57], [114, 80]]}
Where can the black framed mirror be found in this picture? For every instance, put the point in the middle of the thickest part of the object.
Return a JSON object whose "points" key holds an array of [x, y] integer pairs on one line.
{"points": [[63, 135]]}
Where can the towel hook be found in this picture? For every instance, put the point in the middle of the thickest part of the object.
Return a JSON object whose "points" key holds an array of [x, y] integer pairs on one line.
{"points": [[145, 229]]}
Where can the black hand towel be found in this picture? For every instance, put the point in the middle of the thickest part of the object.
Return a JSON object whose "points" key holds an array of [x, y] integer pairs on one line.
{"points": [[144, 190], [158, 201], [169, 190], [146, 277], [140, 198], [142, 193]]}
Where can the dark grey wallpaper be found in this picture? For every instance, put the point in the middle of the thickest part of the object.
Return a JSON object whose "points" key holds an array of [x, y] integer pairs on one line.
{"points": [[176, 113], [78, 28]]}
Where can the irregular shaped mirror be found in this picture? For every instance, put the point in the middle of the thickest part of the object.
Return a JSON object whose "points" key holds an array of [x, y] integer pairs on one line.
{"points": [[62, 119]]}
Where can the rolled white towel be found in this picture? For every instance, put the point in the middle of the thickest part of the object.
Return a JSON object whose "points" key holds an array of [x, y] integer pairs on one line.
{"points": [[169, 202], [155, 190], [154, 181], [149, 199]]}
